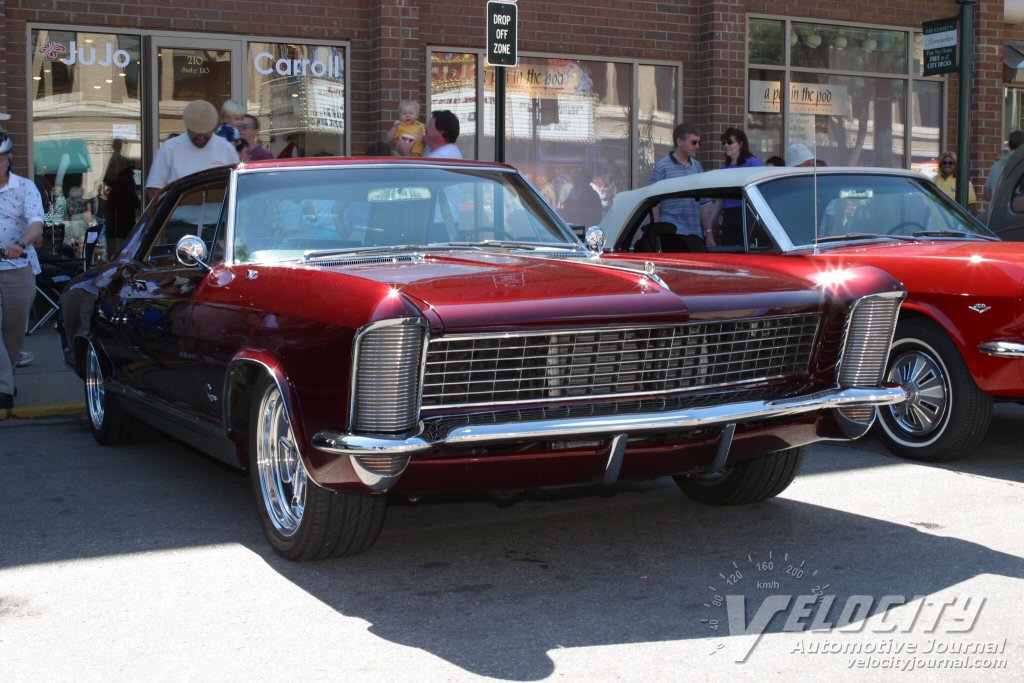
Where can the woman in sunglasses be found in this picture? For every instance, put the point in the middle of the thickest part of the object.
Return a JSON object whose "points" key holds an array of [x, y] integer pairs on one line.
{"points": [[737, 155], [946, 180]]}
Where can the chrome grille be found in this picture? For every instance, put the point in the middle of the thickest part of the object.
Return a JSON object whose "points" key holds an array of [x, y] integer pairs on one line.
{"points": [[518, 367], [868, 337], [386, 383], [866, 348]]}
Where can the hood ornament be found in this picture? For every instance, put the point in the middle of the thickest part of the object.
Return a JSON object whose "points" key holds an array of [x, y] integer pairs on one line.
{"points": [[979, 308]]}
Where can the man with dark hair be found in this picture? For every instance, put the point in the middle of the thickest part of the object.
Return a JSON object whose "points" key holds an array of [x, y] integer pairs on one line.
{"points": [[442, 132], [682, 160], [1015, 140]]}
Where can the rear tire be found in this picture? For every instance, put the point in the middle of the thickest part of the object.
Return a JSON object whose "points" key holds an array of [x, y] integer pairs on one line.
{"points": [[302, 520], [946, 416], [109, 423], [747, 481]]}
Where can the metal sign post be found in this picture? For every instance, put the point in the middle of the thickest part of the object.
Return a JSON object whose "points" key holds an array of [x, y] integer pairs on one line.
{"points": [[963, 166], [502, 30]]}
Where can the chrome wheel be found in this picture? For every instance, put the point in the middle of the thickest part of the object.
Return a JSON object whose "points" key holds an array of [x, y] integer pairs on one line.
{"points": [[95, 390], [928, 403], [282, 476]]}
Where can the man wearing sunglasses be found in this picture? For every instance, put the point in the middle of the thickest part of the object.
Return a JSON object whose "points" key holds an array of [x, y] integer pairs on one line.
{"points": [[682, 160], [197, 150]]}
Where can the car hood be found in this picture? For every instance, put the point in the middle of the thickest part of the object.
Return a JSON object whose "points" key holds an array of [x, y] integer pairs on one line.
{"points": [[512, 290]]}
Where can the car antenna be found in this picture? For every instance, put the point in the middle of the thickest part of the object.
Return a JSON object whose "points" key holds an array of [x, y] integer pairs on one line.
{"points": [[814, 176]]}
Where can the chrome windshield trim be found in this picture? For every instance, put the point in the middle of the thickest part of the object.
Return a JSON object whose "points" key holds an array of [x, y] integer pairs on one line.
{"points": [[690, 418], [1002, 349]]}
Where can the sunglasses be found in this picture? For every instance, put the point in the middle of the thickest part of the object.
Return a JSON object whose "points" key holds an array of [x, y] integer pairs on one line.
{"points": [[730, 142], [947, 163]]}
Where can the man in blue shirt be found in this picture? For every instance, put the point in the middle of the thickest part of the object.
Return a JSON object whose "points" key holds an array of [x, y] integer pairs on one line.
{"points": [[682, 160]]}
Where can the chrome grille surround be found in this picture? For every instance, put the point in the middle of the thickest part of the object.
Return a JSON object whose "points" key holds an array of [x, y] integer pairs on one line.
{"points": [[525, 367], [867, 340], [388, 371]]}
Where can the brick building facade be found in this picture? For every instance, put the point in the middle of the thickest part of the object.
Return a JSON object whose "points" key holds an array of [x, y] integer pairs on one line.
{"points": [[646, 63]]}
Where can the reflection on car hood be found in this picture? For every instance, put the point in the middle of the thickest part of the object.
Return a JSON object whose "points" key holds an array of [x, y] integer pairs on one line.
{"points": [[1011, 252], [467, 289]]}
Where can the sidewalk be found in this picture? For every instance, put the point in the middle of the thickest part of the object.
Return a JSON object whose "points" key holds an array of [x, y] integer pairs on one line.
{"points": [[47, 388]]}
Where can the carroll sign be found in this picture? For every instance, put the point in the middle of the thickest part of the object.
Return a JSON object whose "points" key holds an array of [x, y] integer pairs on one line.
{"points": [[939, 46]]}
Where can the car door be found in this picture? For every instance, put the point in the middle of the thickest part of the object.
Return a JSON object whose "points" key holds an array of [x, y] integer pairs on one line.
{"points": [[157, 297]]}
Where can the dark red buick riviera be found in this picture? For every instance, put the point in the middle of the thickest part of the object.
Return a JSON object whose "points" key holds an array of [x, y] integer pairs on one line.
{"points": [[344, 328]]}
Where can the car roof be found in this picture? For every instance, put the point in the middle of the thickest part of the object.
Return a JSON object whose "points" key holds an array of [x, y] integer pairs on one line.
{"points": [[341, 162], [625, 203]]}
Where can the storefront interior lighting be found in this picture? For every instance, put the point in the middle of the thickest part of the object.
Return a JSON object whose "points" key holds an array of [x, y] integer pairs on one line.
{"points": [[37, 78], [96, 87]]}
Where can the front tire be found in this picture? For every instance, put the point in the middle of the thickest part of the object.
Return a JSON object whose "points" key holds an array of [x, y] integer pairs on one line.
{"points": [[946, 415], [109, 423], [302, 520], [747, 481]]}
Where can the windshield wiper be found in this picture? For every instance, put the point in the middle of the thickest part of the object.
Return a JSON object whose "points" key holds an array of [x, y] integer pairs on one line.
{"points": [[509, 243], [864, 236], [358, 251], [951, 233]]}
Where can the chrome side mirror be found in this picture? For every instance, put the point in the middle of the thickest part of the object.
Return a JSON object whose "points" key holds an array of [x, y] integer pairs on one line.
{"points": [[595, 240], [191, 251]]}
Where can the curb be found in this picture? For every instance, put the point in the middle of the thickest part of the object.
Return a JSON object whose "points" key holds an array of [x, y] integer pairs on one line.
{"points": [[53, 410]]}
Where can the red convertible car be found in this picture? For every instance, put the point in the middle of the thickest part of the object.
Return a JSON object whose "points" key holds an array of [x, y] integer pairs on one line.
{"points": [[346, 328], [960, 341]]}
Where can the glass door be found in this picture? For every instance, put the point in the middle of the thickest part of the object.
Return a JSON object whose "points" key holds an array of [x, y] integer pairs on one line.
{"points": [[187, 69]]}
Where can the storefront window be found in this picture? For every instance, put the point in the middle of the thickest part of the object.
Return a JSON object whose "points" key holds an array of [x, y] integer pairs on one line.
{"points": [[87, 131], [567, 128], [764, 115], [927, 128], [860, 124], [820, 46], [298, 94], [658, 93], [765, 42], [823, 98], [453, 87]]}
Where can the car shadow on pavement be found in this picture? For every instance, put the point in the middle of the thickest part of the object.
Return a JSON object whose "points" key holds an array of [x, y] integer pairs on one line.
{"points": [[998, 457], [492, 589]]}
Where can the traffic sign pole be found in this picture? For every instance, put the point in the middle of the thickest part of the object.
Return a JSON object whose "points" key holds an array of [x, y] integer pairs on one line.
{"points": [[499, 114]]}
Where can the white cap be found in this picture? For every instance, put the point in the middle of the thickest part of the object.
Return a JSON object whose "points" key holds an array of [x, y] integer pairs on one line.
{"points": [[797, 154], [4, 116]]}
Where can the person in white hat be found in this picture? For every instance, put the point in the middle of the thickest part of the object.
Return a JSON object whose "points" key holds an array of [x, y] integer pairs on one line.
{"points": [[197, 150], [21, 225], [797, 154]]}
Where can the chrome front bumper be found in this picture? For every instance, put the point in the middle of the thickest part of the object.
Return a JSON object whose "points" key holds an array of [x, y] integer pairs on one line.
{"points": [[401, 449]]}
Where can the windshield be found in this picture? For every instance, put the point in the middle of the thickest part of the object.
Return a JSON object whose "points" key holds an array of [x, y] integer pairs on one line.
{"points": [[860, 205], [283, 214]]}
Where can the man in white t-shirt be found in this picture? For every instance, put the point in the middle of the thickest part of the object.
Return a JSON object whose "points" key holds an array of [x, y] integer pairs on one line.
{"points": [[196, 150], [442, 132]]}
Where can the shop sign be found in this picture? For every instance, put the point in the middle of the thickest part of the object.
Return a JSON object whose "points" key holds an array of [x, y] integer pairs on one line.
{"points": [[325, 106], [804, 98], [939, 46], [86, 56], [265, 64]]}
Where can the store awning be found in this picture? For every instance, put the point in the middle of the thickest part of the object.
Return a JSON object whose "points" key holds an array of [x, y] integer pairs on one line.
{"points": [[62, 156]]}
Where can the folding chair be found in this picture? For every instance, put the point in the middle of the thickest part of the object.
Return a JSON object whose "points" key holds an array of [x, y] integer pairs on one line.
{"points": [[56, 272]]}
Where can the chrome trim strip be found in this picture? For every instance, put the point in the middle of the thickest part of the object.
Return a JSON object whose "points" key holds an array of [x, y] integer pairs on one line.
{"points": [[692, 418], [1002, 349]]}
